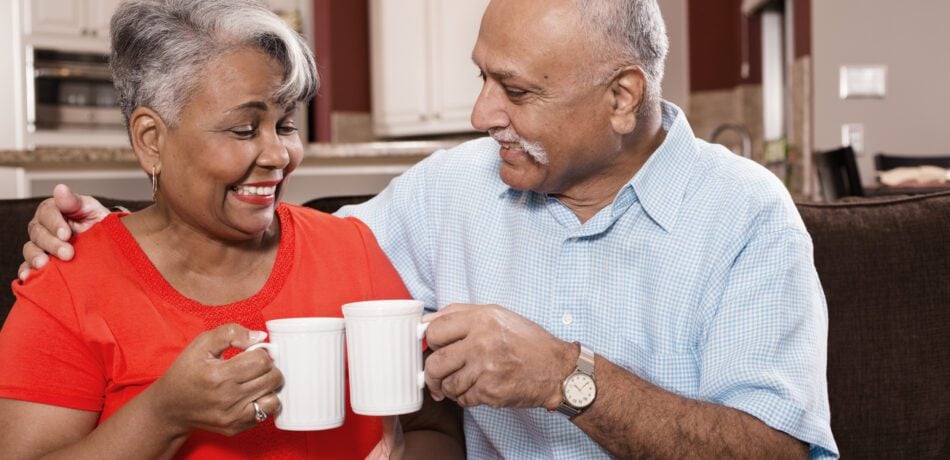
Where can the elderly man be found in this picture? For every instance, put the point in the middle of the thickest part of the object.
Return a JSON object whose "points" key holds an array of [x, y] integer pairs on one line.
{"points": [[605, 283]]}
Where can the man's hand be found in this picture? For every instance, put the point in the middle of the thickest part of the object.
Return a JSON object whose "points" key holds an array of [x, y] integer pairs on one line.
{"points": [[54, 223], [486, 354]]}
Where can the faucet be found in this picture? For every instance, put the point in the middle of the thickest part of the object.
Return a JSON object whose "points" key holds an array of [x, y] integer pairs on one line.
{"points": [[743, 133]]}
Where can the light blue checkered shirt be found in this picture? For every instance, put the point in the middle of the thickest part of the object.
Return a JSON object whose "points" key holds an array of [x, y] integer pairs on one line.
{"points": [[698, 278]]}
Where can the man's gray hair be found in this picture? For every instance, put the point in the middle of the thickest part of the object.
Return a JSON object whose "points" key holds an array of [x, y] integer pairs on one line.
{"points": [[633, 32], [160, 49]]}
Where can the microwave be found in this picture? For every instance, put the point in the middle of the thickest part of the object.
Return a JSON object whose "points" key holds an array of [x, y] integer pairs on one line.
{"points": [[73, 90]]}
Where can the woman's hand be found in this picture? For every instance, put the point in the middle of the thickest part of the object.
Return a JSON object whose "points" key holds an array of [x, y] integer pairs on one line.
{"points": [[391, 445], [202, 390]]}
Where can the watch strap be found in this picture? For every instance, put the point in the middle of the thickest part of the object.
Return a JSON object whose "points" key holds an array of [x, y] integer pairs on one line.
{"points": [[585, 362], [585, 365]]}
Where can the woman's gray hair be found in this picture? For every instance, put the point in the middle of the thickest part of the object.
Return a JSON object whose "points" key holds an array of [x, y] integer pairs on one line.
{"points": [[161, 47], [633, 32]]}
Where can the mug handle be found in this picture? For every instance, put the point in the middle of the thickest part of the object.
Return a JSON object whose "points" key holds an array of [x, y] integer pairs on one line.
{"points": [[420, 334], [271, 348]]}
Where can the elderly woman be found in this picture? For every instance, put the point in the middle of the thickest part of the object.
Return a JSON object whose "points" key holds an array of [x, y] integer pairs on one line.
{"points": [[131, 349]]}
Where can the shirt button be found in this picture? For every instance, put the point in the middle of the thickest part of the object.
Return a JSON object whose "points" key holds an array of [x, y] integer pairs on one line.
{"points": [[567, 319]]}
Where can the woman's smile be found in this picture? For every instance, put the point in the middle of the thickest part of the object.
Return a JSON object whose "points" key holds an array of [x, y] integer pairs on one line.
{"points": [[260, 193]]}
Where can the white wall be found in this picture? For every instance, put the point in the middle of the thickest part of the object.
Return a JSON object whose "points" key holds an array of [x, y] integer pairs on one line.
{"points": [[11, 76], [676, 79], [910, 37]]}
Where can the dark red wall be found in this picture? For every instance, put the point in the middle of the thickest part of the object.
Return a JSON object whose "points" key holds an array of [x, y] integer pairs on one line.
{"points": [[716, 45], [341, 36], [802, 28]]}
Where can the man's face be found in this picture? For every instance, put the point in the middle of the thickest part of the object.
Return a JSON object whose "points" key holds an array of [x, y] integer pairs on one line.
{"points": [[540, 100]]}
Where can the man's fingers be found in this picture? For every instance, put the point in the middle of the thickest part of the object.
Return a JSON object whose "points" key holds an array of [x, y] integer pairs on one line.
{"points": [[30, 254], [447, 328], [49, 220], [439, 365], [23, 272], [459, 383], [80, 212], [67, 202]]}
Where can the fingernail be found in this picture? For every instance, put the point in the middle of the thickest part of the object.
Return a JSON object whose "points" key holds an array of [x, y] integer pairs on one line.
{"points": [[437, 398], [256, 336], [24, 275], [63, 253], [39, 261], [62, 234]]}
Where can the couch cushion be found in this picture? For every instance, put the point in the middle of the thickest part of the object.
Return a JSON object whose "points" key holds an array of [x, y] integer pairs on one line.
{"points": [[884, 265]]}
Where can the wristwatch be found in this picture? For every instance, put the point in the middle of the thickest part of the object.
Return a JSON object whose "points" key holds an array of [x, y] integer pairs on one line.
{"points": [[579, 389]]}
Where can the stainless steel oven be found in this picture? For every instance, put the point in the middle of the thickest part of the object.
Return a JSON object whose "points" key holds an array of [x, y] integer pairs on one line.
{"points": [[73, 90]]}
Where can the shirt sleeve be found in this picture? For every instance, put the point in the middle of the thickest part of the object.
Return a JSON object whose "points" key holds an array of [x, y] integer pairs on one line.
{"points": [[399, 220], [42, 351], [384, 280], [765, 347]]}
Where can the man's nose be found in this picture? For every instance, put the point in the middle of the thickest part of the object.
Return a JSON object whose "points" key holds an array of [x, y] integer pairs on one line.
{"points": [[489, 110]]}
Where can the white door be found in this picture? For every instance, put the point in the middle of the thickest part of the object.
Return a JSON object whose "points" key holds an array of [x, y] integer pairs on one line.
{"points": [[455, 83], [398, 45]]}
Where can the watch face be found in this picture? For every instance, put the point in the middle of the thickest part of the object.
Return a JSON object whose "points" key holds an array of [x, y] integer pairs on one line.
{"points": [[579, 390]]}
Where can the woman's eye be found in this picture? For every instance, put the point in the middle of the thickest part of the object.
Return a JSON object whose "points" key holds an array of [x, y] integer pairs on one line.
{"points": [[287, 129], [244, 131]]}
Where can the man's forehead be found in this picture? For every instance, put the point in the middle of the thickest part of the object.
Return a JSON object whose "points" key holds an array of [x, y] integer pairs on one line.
{"points": [[493, 66]]}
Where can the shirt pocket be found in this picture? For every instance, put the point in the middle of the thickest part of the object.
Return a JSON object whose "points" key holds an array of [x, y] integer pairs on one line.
{"points": [[677, 372]]}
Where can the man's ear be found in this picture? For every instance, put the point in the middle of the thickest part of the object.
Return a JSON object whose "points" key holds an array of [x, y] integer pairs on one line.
{"points": [[147, 131], [627, 89]]}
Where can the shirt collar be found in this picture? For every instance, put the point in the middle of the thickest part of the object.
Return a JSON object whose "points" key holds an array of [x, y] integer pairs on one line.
{"points": [[662, 181]]}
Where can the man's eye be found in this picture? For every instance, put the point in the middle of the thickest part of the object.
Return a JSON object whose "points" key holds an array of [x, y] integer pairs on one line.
{"points": [[481, 75], [515, 93]]}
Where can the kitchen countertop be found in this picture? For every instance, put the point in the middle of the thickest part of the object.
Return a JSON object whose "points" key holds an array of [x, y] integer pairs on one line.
{"points": [[52, 156]]}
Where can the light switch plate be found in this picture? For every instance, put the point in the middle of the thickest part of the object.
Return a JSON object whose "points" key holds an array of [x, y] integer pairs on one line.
{"points": [[862, 81], [853, 134]]}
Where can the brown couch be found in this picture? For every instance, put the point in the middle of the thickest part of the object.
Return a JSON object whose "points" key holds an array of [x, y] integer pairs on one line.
{"points": [[884, 264], [885, 268]]}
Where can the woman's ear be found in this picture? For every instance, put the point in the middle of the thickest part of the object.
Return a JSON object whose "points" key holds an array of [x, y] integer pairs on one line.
{"points": [[627, 92], [147, 132]]}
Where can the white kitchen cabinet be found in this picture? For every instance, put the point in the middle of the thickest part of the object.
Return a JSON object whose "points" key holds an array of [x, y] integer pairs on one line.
{"points": [[100, 16], [423, 79], [59, 21]]}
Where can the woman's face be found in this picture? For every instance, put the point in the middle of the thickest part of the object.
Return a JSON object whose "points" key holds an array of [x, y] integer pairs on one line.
{"points": [[224, 165]]}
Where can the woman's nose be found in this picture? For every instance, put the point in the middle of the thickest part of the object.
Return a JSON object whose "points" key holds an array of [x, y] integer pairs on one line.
{"points": [[274, 151]]}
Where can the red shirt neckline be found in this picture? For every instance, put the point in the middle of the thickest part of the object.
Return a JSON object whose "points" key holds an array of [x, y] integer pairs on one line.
{"points": [[154, 281]]}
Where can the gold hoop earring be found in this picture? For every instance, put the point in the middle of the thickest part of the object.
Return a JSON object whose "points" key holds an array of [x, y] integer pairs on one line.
{"points": [[154, 181]]}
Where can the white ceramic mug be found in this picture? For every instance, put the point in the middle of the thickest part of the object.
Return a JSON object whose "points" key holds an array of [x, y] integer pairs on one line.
{"points": [[309, 352], [384, 353]]}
